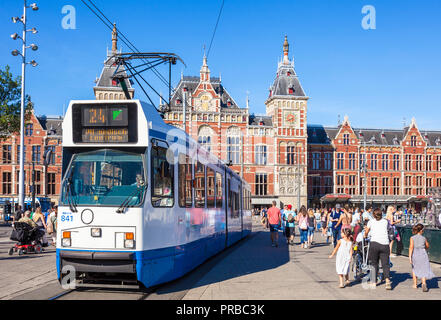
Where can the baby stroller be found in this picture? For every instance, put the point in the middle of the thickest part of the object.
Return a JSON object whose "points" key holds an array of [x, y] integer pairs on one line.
{"points": [[28, 239]]}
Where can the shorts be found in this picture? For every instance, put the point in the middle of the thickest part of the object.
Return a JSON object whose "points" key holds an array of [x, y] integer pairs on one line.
{"points": [[289, 231], [311, 231], [274, 227]]}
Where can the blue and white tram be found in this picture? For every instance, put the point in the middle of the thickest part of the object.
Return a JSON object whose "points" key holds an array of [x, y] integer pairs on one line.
{"points": [[141, 201]]}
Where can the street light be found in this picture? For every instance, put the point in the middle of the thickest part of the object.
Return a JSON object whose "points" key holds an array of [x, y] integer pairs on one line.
{"points": [[15, 53]]}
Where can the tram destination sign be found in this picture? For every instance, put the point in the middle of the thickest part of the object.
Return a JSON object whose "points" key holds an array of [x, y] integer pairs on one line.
{"points": [[105, 123]]}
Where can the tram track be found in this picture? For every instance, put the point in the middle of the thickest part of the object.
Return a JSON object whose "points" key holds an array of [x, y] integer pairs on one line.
{"points": [[88, 293]]}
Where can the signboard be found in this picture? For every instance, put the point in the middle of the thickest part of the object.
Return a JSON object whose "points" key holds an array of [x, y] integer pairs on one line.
{"points": [[105, 123]]}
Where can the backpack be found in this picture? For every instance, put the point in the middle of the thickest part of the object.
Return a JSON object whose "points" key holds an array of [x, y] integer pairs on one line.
{"points": [[290, 218]]}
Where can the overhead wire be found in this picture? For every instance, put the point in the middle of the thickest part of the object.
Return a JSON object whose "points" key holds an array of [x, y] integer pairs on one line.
{"points": [[128, 43], [215, 28]]}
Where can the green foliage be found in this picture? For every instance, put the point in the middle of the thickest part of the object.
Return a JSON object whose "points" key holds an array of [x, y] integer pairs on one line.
{"points": [[10, 102]]}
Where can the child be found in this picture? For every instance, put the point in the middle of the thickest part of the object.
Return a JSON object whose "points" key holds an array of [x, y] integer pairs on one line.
{"points": [[418, 257], [344, 256]]}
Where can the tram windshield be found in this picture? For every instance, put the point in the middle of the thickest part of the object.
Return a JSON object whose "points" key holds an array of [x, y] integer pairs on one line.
{"points": [[104, 177]]}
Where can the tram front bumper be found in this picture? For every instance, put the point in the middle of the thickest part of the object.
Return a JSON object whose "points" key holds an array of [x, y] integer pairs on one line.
{"points": [[98, 262]]}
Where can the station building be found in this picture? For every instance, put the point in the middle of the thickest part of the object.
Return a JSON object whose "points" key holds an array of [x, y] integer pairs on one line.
{"points": [[279, 154]]}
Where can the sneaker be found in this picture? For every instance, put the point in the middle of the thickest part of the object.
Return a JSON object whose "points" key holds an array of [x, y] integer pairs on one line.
{"points": [[425, 289], [388, 285], [273, 245]]}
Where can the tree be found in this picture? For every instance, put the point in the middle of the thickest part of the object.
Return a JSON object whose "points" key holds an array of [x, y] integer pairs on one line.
{"points": [[10, 104]]}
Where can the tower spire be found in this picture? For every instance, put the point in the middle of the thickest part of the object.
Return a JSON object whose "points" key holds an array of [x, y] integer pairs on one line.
{"points": [[285, 51], [114, 39]]}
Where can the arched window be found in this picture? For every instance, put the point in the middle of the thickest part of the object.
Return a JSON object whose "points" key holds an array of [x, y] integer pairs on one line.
{"points": [[205, 137]]}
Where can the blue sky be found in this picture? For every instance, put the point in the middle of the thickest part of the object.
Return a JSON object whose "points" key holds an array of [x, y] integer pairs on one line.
{"points": [[376, 77]]}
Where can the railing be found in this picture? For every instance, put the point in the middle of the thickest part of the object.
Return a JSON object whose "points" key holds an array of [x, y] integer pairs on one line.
{"points": [[427, 220]]}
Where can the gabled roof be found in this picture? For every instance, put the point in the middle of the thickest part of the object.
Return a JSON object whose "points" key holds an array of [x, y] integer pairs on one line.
{"points": [[52, 124], [191, 83], [318, 134], [257, 120]]}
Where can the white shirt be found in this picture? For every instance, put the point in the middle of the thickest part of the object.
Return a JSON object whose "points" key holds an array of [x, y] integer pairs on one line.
{"points": [[355, 219], [378, 231]]}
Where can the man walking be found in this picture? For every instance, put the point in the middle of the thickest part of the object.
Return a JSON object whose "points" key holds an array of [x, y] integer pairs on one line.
{"points": [[334, 217], [274, 220]]}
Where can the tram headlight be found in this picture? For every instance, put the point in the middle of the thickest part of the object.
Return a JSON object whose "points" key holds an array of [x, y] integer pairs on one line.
{"points": [[129, 240], [95, 232], [65, 240]]}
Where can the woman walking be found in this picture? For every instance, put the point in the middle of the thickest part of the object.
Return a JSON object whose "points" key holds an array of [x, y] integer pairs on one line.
{"points": [[312, 223], [345, 219], [379, 246], [344, 256], [38, 218], [289, 217], [302, 220], [418, 257], [392, 230]]}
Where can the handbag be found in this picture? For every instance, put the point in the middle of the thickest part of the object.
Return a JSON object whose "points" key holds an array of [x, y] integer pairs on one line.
{"points": [[391, 233]]}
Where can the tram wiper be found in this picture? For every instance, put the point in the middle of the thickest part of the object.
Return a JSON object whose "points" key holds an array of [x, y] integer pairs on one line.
{"points": [[70, 197], [138, 192]]}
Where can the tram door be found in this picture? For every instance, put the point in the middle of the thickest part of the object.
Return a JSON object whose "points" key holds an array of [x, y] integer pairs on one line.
{"points": [[227, 205]]}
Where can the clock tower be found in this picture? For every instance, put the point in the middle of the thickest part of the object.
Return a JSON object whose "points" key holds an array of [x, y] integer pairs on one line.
{"points": [[287, 105]]}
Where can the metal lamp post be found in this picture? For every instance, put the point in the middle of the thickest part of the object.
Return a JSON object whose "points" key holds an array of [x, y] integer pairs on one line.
{"points": [[15, 53]]}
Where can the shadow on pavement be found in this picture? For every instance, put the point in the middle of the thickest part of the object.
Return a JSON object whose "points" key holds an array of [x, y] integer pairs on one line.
{"points": [[250, 255]]}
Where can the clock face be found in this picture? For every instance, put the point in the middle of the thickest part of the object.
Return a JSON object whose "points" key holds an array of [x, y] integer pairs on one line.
{"points": [[205, 102], [291, 119]]}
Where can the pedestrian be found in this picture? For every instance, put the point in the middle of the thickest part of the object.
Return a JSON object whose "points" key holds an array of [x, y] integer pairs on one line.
{"points": [[18, 214], [392, 230], [274, 220], [302, 221], [289, 217], [283, 223], [312, 224], [38, 218], [345, 220], [26, 218], [379, 246], [367, 215], [53, 221], [344, 256], [324, 222], [418, 257], [329, 226], [318, 216], [336, 228]]}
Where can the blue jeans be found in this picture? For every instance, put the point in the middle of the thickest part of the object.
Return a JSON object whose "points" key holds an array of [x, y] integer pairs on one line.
{"points": [[310, 231], [336, 235], [303, 236]]}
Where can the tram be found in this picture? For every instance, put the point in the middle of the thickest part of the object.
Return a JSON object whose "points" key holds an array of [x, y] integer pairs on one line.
{"points": [[142, 203]]}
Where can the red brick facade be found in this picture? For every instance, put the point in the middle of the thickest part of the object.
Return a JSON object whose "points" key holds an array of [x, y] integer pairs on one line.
{"points": [[41, 133]]}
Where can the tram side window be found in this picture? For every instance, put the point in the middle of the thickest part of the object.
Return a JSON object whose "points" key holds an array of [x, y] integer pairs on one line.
{"points": [[162, 176], [219, 190], [185, 181], [210, 188], [199, 180]]}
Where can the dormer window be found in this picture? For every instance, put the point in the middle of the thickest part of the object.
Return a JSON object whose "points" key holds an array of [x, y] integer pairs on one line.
{"points": [[438, 141], [395, 140], [288, 73], [373, 140], [291, 90], [114, 82], [229, 103], [383, 135], [178, 101]]}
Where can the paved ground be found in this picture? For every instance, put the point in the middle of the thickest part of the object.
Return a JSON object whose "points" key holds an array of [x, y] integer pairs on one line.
{"points": [[252, 269]]}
